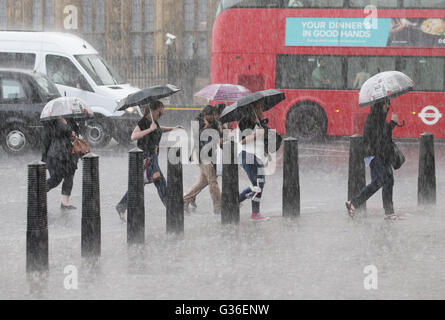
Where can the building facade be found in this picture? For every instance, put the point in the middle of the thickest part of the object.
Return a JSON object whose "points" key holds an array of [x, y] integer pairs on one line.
{"points": [[131, 34]]}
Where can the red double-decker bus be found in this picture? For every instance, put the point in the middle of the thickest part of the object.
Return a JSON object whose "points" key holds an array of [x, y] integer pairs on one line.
{"points": [[320, 53]]}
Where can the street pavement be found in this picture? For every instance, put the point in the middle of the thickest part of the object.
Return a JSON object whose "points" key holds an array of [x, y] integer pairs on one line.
{"points": [[321, 255]]}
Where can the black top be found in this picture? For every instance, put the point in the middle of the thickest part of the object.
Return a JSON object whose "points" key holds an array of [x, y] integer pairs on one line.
{"points": [[377, 136], [57, 143], [149, 143]]}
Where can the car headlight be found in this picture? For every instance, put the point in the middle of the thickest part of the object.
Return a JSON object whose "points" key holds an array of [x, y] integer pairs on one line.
{"points": [[130, 110]]}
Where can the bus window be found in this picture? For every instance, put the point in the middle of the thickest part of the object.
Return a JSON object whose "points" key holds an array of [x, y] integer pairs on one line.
{"points": [[424, 4], [309, 72], [377, 3], [427, 72], [362, 68], [314, 4], [227, 4]]}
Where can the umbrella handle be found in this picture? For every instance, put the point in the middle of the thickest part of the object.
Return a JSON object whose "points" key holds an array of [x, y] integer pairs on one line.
{"points": [[403, 122], [151, 115]]}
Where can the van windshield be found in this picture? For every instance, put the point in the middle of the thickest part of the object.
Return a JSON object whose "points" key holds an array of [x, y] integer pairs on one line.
{"points": [[47, 89], [99, 70]]}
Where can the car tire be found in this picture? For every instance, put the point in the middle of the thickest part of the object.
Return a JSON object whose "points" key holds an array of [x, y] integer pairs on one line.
{"points": [[307, 122], [16, 139], [96, 134]]}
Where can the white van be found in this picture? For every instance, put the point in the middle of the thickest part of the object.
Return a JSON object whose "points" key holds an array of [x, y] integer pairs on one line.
{"points": [[77, 70]]}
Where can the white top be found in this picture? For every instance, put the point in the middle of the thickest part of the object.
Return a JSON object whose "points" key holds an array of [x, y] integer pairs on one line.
{"points": [[254, 146]]}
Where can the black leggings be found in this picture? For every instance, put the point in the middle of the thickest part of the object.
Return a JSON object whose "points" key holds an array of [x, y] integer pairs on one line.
{"points": [[56, 177]]}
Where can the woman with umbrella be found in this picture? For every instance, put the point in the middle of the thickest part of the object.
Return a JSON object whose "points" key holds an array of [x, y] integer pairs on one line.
{"points": [[148, 134], [252, 148], [207, 170], [60, 129], [377, 137], [252, 157]]}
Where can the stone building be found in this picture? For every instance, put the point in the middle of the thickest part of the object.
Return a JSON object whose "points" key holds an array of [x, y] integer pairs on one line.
{"points": [[131, 34]]}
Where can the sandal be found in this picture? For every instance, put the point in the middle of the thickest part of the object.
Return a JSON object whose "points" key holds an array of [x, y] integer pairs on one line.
{"points": [[392, 217], [350, 208]]}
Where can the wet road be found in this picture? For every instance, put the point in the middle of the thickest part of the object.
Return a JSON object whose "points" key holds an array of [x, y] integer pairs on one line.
{"points": [[321, 255]]}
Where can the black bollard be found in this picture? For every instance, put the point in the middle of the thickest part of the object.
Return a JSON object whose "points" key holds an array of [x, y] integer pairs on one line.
{"points": [[230, 211], [175, 191], [91, 222], [427, 171], [291, 179], [136, 206], [37, 220], [357, 172]]}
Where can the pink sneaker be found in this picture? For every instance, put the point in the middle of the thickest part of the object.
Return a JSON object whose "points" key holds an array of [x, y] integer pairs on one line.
{"points": [[258, 217]]}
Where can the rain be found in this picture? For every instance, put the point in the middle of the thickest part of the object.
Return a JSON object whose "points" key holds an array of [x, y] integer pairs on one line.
{"points": [[119, 122]]}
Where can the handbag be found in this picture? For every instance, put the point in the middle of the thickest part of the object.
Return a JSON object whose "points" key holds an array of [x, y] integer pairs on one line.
{"points": [[80, 147], [398, 158]]}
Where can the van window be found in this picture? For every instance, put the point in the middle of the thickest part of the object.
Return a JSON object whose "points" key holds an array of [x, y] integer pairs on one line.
{"points": [[99, 70], [17, 60], [47, 89], [62, 71], [12, 90]]}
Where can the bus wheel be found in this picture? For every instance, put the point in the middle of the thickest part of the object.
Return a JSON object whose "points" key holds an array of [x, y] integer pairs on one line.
{"points": [[96, 133], [307, 122]]}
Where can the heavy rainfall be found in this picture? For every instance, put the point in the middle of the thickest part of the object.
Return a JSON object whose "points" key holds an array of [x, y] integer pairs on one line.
{"points": [[222, 150]]}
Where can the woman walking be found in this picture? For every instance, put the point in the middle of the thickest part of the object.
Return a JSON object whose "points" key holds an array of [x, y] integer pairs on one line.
{"points": [[148, 134], [252, 158], [379, 153], [208, 175], [60, 160]]}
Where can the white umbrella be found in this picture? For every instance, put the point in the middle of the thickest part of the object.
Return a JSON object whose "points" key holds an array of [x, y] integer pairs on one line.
{"points": [[383, 86], [66, 107]]}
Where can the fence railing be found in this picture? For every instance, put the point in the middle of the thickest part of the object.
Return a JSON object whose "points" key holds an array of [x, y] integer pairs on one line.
{"points": [[147, 71]]}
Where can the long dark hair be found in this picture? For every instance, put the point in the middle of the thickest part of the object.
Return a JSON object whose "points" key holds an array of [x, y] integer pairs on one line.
{"points": [[377, 112], [154, 105]]}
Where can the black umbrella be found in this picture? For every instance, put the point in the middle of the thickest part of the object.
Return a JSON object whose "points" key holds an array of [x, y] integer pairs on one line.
{"points": [[236, 111], [146, 96]]}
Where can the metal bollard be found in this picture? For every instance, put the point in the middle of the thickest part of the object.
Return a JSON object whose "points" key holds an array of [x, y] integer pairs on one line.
{"points": [[357, 172], [37, 219], [230, 211], [91, 222], [427, 171], [136, 206], [175, 191], [291, 179]]}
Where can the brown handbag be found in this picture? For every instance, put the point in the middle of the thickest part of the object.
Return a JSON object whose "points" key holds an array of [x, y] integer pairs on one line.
{"points": [[80, 147]]}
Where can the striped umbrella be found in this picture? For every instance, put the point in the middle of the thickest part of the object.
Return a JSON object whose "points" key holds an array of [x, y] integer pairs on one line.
{"points": [[223, 92]]}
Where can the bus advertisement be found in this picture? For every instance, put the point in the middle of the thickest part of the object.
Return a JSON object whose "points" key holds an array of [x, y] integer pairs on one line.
{"points": [[321, 52]]}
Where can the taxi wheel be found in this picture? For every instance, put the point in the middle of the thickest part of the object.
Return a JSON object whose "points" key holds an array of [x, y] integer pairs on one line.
{"points": [[16, 139]]}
